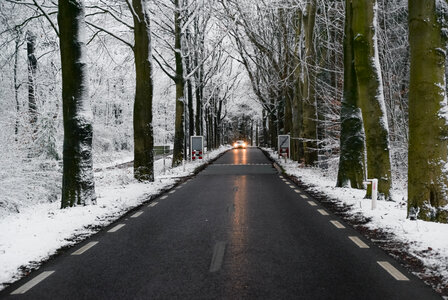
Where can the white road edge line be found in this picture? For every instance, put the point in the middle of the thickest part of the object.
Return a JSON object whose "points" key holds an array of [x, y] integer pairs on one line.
{"points": [[85, 248], [304, 196], [322, 212], [312, 203], [218, 256], [392, 271], [33, 282], [153, 204], [337, 224], [116, 228], [164, 197], [137, 214], [358, 242]]}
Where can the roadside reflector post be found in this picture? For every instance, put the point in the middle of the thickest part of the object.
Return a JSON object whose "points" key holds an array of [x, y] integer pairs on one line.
{"points": [[374, 183]]}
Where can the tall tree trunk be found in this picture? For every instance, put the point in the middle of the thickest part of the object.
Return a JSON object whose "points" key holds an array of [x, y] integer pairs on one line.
{"points": [[32, 67], [296, 107], [351, 160], [370, 94], [16, 85], [78, 186], [143, 128], [309, 131], [427, 114], [179, 134]]}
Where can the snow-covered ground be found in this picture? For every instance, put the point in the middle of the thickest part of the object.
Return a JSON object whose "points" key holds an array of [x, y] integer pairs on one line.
{"points": [[427, 241], [37, 232]]}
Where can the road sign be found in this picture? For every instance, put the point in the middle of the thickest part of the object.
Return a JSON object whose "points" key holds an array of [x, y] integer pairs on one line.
{"points": [[196, 147], [284, 145]]}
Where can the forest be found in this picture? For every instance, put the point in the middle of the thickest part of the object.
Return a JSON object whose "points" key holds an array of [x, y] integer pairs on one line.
{"points": [[359, 85]]}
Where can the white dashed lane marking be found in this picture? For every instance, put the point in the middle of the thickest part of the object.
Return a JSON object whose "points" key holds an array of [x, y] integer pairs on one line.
{"points": [[116, 228], [33, 282], [153, 204], [322, 212], [358, 242], [137, 214], [164, 197], [85, 248], [392, 271], [297, 191], [291, 186], [304, 196], [337, 224], [172, 191], [218, 256], [312, 203]]}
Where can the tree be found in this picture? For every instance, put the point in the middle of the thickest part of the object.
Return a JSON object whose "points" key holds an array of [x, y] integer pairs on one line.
{"points": [[351, 159], [370, 94], [309, 110], [427, 179], [143, 127], [77, 182]]}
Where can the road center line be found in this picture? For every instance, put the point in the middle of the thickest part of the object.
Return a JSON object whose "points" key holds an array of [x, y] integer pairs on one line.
{"points": [[85, 248], [392, 271], [218, 256], [337, 224], [304, 196], [153, 204], [322, 212], [312, 203], [116, 228], [358, 242], [33, 282], [137, 214]]}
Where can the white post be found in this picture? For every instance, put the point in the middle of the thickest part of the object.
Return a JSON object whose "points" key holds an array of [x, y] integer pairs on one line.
{"points": [[374, 192], [183, 164]]}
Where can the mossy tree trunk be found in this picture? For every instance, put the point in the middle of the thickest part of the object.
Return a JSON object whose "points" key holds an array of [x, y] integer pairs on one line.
{"points": [[143, 128], [78, 186], [179, 134], [370, 94], [427, 178], [309, 110], [351, 160]]}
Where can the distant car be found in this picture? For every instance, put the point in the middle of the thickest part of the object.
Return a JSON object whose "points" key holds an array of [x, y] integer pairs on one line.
{"points": [[240, 144]]}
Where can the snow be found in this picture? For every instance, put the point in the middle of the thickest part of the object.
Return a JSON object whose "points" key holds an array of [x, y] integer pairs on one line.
{"points": [[427, 240], [37, 232]]}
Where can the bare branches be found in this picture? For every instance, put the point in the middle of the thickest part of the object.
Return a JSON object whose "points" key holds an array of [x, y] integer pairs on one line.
{"points": [[111, 34]]}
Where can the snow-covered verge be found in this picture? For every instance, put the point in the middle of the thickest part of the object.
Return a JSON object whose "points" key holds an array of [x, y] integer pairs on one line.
{"points": [[426, 241], [37, 232]]}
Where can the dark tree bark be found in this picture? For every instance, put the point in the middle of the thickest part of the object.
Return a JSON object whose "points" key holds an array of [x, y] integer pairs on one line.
{"points": [[78, 186], [16, 85], [179, 134], [351, 162], [32, 68], [143, 128]]}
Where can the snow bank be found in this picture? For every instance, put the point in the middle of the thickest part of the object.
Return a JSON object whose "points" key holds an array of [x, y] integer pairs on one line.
{"points": [[37, 232]]}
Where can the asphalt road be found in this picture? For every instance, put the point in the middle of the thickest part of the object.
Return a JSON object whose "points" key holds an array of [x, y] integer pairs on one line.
{"points": [[238, 230]]}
